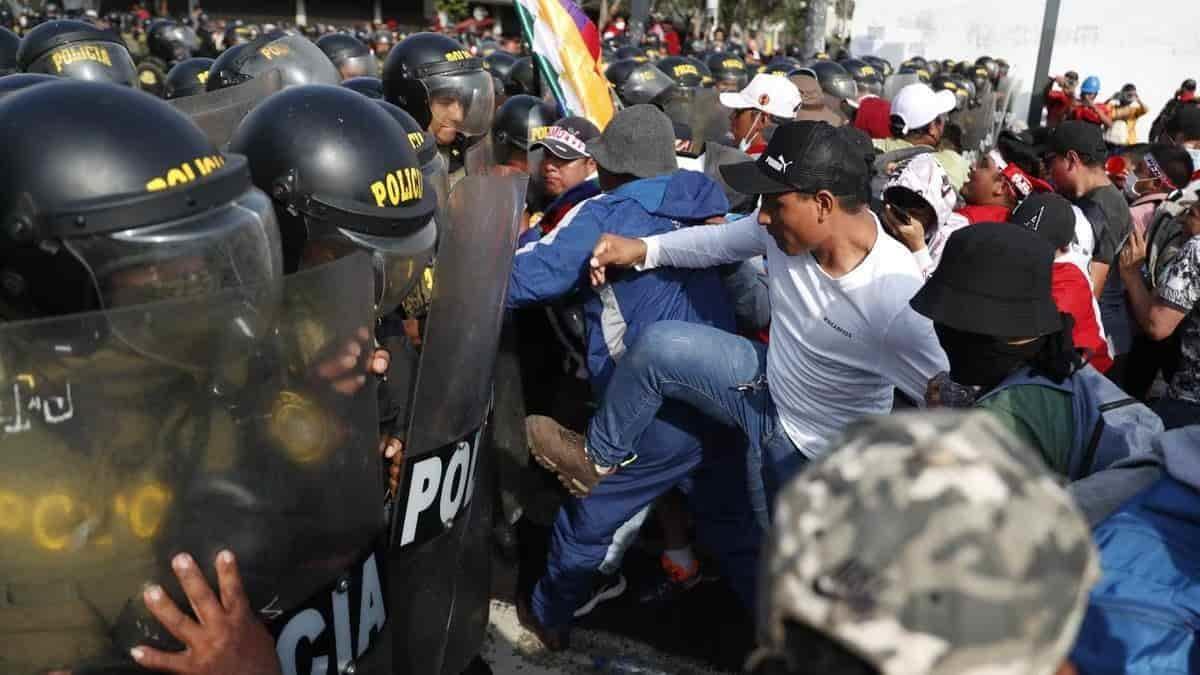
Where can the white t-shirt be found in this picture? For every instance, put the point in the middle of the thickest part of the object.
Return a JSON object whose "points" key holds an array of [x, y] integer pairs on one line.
{"points": [[1085, 243], [838, 346]]}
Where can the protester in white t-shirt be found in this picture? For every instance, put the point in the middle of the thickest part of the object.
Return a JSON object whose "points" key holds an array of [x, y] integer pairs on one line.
{"points": [[843, 336]]}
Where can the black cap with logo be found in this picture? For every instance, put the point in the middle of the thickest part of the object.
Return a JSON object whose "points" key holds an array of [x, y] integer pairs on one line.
{"points": [[807, 156], [568, 138]]}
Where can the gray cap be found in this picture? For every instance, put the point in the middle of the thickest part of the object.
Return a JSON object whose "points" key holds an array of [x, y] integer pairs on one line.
{"points": [[930, 544], [639, 140]]}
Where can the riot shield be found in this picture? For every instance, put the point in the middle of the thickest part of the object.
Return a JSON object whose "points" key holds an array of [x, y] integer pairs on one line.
{"points": [[439, 565], [716, 156], [218, 113], [481, 157], [131, 435], [710, 119], [976, 121]]}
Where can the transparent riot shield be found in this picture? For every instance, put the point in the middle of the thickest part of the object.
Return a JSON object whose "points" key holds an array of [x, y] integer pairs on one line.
{"points": [[481, 157], [976, 121], [218, 113], [710, 119], [716, 156], [131, 435], [439, 566]]}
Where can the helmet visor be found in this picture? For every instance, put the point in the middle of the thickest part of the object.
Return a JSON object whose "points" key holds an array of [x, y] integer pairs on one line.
{"points": [[397, 262], [463, 101], [235, 245], [359, 66]]}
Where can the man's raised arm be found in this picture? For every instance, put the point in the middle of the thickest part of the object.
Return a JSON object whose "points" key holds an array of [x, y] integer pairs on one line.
{"points": [[695, 247]]}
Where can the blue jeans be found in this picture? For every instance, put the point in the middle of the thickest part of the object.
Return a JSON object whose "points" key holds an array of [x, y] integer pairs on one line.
{"points": [[676, 446], [720, 374]]}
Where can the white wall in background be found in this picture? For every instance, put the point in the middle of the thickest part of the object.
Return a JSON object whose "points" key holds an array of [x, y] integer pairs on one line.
{"points": [[1155, 44]]}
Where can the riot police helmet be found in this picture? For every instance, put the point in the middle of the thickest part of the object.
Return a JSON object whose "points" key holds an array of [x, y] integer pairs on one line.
{"points": [[500, 65], [441, 85], [76, 50], [835, 80], [632, 52], [782, 65], [638, 82], [98, 213], [522, 79], [881, 65], [187, 78], [297, 59], [486, 48], [10, 84], [349, 55], [171, 42], [687, 72], [868, 79], [729, 73], [434, 167], [371, 87], [238, 33], [9, 44], [520, 122], [344, 178], [951, 84], [915, 69], [990, 65]]}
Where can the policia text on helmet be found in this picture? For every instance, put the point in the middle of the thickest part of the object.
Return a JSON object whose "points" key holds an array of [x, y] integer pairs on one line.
{"points": [[439, 83], [344, 177]]}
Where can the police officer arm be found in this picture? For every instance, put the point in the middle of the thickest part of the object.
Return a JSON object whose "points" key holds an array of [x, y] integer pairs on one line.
{"points": [[557, 264], [1158, 317], [225, 638], [689, 247]]}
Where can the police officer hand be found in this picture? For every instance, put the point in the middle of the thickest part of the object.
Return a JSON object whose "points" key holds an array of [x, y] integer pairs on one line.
{"points": [[339, 369], [392, 450], [225, 637], [616, 251]]}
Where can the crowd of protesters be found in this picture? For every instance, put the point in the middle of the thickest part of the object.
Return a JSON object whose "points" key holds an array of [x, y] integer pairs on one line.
{"points": [[733, 300]]}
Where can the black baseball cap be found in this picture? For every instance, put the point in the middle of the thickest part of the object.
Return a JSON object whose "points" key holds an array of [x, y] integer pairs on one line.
{"points": [[807, 156], [567, 138], [1084, 138], [1049, 215]]}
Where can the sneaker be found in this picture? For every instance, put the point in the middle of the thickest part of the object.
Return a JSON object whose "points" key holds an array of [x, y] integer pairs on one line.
{"points": [[561, 450], [554, 640], [607, 587], [675, 582]]}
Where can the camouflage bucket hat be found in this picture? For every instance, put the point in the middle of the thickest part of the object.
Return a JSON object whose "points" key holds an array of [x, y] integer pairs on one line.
{"points": [[930, 544]]}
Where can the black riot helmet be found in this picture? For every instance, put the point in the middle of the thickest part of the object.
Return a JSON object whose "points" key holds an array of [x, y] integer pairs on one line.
{"points": [[499, 64], [966, 90], [934, 68], [638, 82], [351, 56], [950, 83], [433, 165], [7, 19], [441, 85], [10, 84], [687, 72], [238, 33], [781, 65], [187, 78], [9, 44], [632, 52], [729, 73], [298, 61], [868, 79], [522, 121], [522, 79], [344, 178], [110, 198], [76, 50], [171, 42], [990, 65], [881, 65], [486, 48], [371, 87], [981, 78], [835, 80], [914, 69]]}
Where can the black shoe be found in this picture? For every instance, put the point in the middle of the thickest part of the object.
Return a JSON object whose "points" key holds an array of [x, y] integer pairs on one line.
{"points": [[607, 587]]}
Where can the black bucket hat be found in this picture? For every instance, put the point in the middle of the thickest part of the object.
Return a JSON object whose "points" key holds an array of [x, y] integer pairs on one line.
{"points": [[993, 279]]}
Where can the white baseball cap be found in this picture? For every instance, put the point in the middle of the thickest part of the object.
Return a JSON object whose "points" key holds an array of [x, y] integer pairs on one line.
{"points": [[772, 94], [918, 105]]}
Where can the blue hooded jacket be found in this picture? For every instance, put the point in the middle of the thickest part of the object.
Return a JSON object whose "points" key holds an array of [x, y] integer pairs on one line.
{"points": [[616, 314]]}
